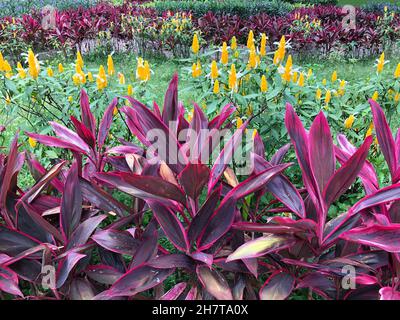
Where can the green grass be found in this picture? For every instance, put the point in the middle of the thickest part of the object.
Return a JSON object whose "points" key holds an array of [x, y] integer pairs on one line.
{"points": [[362, 2]]}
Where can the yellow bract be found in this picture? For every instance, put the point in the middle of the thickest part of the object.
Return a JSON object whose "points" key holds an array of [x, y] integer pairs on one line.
{"points": [[121, 78], [239, 122], [375, 96], [328, 96], [50, 72], [280, 53], [264, 84], [60, 68], [33, 64], [334, 76], [263, 45], [318, 94], [348, 123], [101, 80], [250, 40], [130, 90], [214, 70], [195, 44], [21, 71], [381, 63], [32, 142], [224, 54], [233, 78], [79, 60], [143, 71], [216, 87], [110, 66], [369, 131], [254, 59], [90, 76], [287, 74], [196, 69], [301, 80], [233, 43], [397, 72]]}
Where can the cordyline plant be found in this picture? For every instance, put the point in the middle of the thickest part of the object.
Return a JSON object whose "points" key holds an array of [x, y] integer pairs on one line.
{"points": [[192, 231]]}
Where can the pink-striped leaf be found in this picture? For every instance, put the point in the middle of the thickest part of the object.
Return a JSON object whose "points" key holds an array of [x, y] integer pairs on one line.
{"points": [[214, 282], [278, 286]]}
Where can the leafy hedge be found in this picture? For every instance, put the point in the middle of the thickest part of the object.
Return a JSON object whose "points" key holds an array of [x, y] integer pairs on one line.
{"points": [[17, 8], [233, 7]]}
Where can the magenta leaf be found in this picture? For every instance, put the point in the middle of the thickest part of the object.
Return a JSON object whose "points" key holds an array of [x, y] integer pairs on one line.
{"points": [[116, 241], [105, 123], [174, 292], [193, 178]]}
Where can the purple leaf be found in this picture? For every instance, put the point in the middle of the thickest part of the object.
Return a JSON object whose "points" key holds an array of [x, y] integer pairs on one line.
{"points": [[105, 123], [278, 286], [71, 207], [87, 116], [66, 266], [83, 232], [174, 292], [384, 237], [384, 136], [321, 149], [193, 178], [170, 111], [9, 282], [214, 282], [103, 274], [116, 241]]}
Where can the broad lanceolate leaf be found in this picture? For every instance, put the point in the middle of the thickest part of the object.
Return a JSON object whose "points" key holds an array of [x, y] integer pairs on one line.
{"points": [[144, 187], [384, 195], [384, 237], [321, 150], [170, 224], [71, 207], [66, 266], [193, 178], [222, 219], [87, 116], [83, 232], [13, 242], [134, 281], [281, 188], [9, 282], [105, 123], [214, 282], [299, 138], [170, 111], [347, 173], [117, 241], [174, 292], [384, 136], [262, 246], [278, 286]]}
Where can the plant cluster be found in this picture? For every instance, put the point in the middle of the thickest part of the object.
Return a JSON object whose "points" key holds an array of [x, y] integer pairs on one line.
{"points": [[259, 76], [192, 231], [137, 27]]}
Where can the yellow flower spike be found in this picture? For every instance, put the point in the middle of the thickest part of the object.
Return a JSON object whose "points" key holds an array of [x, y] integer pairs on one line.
{"points": [[115, 111], [279, 55], [216, 87], [70, 99], [60, 68], [381, 63], [263, 45], [143, 71], [301, 80], [328, 96], [50, 72], [101, 80], [295, 76], [253, 58], [324, 82], [214, 70], [375, 96], [264, 84], [130, 90], [76, 78], [250, 39], [334, 76], [233, 78], [396, 97], [233, 43], [110, 66], [32, 142], [397, 72], [369, 131], [224, 54], [239, 122], [195, 44], [287, 75], [21, 71], [33, 64], [121, 78], [90, 76], [309, 73], [348, 123], [196, 69], [79, 59]]}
